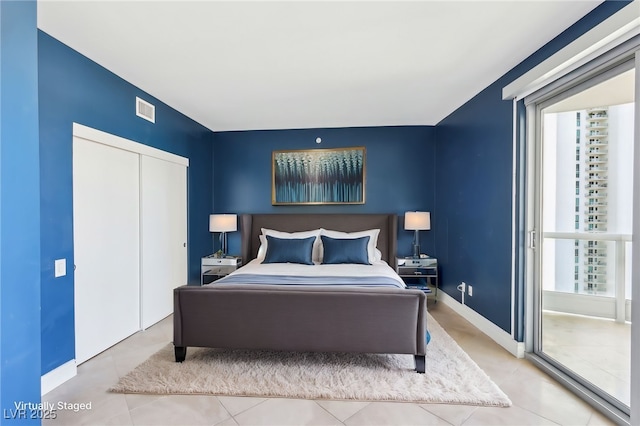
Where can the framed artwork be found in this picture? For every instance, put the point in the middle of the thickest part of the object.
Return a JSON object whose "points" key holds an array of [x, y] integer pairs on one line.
{"points": [[318, 176]]}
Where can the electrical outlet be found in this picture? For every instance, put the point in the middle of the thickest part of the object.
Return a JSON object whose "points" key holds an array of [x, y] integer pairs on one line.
{"points": [[60, 267], [470, 290]]}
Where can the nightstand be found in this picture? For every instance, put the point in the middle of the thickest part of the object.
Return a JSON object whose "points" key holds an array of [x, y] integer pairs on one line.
{"points": [[420, 273], [213, 268]]}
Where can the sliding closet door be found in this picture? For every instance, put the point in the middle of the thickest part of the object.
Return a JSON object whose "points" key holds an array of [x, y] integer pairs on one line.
{"points": [[164, 235], [106, 246]]}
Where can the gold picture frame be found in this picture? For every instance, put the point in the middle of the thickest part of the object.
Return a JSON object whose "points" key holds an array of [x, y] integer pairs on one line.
{"points": [[318, 176]]}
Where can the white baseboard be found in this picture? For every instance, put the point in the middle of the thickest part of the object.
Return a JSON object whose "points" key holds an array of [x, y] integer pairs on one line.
{"points": [[58, 376], [500, 336]]}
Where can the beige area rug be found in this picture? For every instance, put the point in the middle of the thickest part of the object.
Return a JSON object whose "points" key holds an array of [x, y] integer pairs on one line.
{"points": [[451, 377]]}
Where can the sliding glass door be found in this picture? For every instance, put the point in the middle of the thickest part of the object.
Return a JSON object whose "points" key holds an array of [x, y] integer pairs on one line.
{"points": [[584, 171], [587, 166]]}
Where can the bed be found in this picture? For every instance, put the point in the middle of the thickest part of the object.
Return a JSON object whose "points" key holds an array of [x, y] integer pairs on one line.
{"points": [[280, 316]]}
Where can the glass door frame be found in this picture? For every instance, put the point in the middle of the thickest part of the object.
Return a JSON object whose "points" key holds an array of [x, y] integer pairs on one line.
{"points": [[623, 58]]}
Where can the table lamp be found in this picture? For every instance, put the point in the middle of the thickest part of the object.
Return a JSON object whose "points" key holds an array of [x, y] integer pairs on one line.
{"points": [[417, 221], [223, 223]]}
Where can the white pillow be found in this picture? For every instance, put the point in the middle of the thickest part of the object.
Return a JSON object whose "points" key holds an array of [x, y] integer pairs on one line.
{"points": [[371, 247], [378, 255], [262, 250]]}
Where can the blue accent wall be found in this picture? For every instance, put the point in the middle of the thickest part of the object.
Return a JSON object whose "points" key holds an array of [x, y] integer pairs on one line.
{"points": [[459, 170], [20, 210], [474, 167], [73, 88], [399, 172]]}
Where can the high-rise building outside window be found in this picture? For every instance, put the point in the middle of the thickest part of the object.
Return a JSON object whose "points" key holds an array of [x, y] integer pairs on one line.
{"points": [[586, 192]]}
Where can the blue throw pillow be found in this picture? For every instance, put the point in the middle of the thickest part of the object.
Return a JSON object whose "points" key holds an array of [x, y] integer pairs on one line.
{"points": [[289, 250], [345, 250]]}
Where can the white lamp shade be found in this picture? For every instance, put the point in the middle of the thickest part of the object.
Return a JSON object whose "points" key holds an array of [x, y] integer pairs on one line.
{"points": [[223, 222], [417, 221]]}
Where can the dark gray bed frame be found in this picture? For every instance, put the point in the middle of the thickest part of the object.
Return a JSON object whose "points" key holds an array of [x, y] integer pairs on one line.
{"points": [[297, 318]]}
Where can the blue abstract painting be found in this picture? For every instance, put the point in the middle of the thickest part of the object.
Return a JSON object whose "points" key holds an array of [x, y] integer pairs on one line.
{"points": [[318, 176]]}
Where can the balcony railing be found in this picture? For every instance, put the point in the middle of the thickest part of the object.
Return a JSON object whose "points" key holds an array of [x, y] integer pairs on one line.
{"points": [[598, 150], [616, 260], [595, 228], [602, 211], [593, 194], [596, 159], [595, 186], [596, 203]]}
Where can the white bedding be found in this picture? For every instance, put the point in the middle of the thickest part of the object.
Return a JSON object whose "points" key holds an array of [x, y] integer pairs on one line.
{"points": [[379, 269]]}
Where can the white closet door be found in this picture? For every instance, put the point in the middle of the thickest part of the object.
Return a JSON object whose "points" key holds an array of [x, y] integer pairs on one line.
{"points": [[106, 246], [164, 235]]}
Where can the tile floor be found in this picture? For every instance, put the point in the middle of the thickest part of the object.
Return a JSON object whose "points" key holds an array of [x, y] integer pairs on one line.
{"points": [[537, 399], [597, 349]]}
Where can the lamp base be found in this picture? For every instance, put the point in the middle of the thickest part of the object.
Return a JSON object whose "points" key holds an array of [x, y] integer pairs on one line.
{"points": [[224, 244], [416, 245]]}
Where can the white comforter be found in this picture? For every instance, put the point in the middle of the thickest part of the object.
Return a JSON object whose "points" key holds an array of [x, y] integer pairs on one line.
{"points": [[341, 274]]}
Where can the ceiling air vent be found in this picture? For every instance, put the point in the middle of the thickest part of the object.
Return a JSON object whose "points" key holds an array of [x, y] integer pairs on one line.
{"points": [[145, 110]]}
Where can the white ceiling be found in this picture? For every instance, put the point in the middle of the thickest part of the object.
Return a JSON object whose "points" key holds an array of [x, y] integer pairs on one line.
{"points": [[299, 64]]}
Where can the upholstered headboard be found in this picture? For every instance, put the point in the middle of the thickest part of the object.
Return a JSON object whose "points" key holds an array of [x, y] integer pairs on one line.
{"points": [[251, 224]]}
